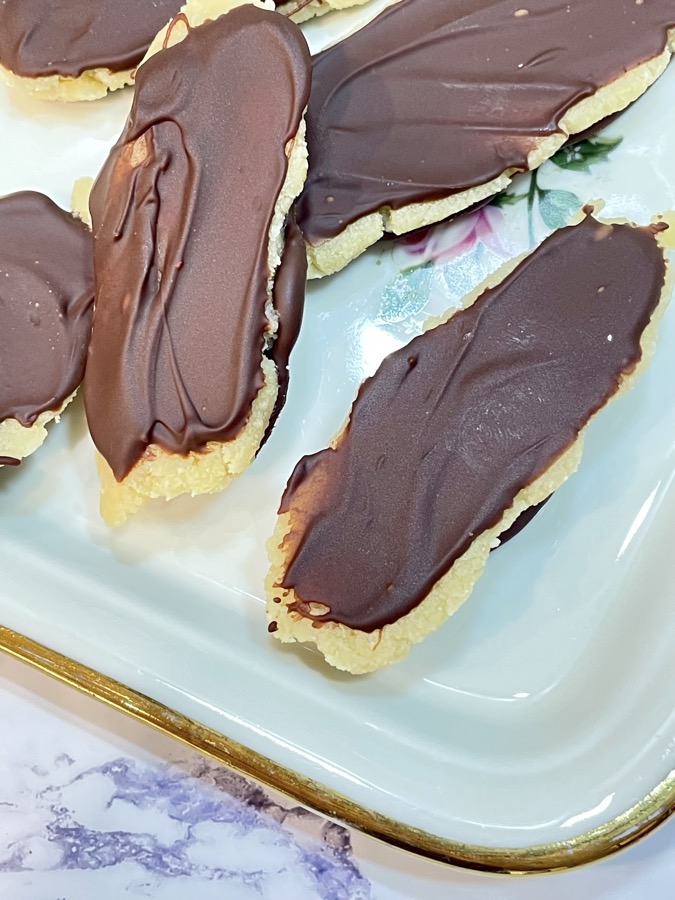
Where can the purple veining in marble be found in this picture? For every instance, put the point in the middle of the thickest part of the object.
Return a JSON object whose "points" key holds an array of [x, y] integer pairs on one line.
{"points": [[188, 798]]}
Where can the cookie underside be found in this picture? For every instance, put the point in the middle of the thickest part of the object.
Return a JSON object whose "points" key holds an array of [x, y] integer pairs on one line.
{"points": [[359, 652], [334, 254]]}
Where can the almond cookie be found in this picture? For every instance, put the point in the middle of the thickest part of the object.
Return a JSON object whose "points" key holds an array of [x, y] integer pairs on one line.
{"points": [[46, 305], [381, 537], [432, 107], [191, 217]]}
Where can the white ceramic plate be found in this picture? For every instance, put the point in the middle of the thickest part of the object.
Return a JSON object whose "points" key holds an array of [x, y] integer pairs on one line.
{"points": [[545, 707]]}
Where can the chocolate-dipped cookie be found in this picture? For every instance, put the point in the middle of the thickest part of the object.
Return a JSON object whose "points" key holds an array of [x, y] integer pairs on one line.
{"points": [[191, 217], [46, 305], [433, 106], [75, 50], [382, 536]]}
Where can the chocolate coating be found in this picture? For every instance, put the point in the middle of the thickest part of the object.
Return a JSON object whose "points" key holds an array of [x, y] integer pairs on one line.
{"points": [[288, 296], [9, 461], [182, 211], [451, 427], [46, 305], [433, 98], [41, 37]]}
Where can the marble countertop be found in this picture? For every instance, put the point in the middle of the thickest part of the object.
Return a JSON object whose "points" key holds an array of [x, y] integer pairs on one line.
{"points": [[96, 805]]}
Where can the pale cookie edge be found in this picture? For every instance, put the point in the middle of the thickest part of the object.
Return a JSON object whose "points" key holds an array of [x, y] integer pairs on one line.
{"points": [[162, 475], [92, 84], [19, 441]]}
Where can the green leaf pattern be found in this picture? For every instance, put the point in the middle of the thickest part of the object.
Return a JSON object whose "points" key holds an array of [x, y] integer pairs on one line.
{"points": [[580, 157], [556, 207]]}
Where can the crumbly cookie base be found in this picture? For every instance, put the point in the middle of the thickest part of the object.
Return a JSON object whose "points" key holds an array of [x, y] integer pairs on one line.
{"points": [[162, 475], [359, 652], [332, 255], [159, 474], [18, 441], [90, 85]]}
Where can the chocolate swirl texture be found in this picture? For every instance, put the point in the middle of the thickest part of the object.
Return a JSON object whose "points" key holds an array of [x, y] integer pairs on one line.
{"points": [[40, 38], [182, 212], [434, 98], [454, 425], [46, 305]]}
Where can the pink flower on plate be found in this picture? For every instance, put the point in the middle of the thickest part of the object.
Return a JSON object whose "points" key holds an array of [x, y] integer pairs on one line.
{"points": [[441, 243]]}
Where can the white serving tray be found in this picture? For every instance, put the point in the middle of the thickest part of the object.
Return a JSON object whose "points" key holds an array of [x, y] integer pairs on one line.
{"points": [[541, 712]]}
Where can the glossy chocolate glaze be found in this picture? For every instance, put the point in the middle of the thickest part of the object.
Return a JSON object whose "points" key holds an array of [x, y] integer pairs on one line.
{"points": [[9, 461], [433, 98], [181, 212], [46, 304], [451, 427], [41, 37]]}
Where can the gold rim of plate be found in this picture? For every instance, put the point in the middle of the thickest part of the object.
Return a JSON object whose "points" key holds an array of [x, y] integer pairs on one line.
{"points": [[593, 845]]}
